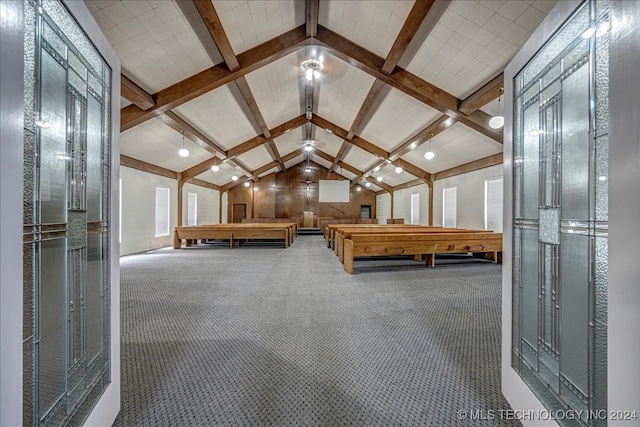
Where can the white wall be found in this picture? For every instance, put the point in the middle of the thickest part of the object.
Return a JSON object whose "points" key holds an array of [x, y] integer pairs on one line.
{"points": [[402, 203], [208, 204], [138, 210], [383, 207], [470, 203]]}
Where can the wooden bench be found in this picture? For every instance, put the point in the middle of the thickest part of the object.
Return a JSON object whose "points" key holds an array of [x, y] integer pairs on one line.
{"points": [[273, 221], [418, 244], [285, 232], [330, 229]]}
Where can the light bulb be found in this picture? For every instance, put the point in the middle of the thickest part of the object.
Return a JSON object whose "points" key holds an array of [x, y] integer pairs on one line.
{"points": [[215, 168], [234, 178], [496, 122], [307, 170], [255, 188], [429, 155], [316, 74], [367, 184], [183, 152], [246, 184], [308, 147], [398, 169], [358, 188], [309, 74], [379, 179]]}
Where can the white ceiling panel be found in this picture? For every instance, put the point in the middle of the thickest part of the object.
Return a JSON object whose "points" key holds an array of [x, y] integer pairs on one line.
{"points": [[475, 40], [290, 141], [251, 22], [155, 40], [340, 91], [371, 186], [399, 117], [222, 177], [276, 89], [294, 161], [453, 147], [156, 143], [391, 177], [218, 116], [331, 142], [372, 24], [359, 158], [322, 162], [346, 174], [256, 158]]}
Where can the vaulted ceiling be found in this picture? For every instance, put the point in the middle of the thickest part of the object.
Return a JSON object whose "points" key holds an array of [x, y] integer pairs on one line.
{"points": [[400, 78]]}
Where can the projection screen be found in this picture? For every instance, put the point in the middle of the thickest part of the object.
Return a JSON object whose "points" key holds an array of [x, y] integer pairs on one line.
{"points": [[333, 191]]}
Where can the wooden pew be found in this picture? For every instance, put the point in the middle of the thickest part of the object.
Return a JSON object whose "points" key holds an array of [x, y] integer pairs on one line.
{"points": [[414, 244], [285, 231], [330, 229], [272, 221]]}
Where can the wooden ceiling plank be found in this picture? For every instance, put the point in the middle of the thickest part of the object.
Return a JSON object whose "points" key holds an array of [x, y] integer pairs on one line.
{"points": [[312, 11], [140, 165], [342, 152], [366, 109], [216, 76], [177, 123], [409, 28], [373, 167], [211, 20], [486, 162], [245, 90], [135, 94], [440, 124], [481, 97], [201, 183]]}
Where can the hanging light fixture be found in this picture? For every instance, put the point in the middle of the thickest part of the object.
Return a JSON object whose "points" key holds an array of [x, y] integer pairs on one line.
{"points": [[379, 178], [234, 177], [497, 121], [358, 188], [367, 184], [308, 147], [312, 68], [215, 167], [398, 169], [429, 154], [247, 184], [183, 152]]}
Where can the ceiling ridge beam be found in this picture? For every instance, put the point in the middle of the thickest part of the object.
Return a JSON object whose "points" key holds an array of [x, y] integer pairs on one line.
{"points": [[481, 97], [177, 123], [312, 11], [415, 18], [210, 17], [143, 166], [483, 163], [404, 81], [135, 94], [216, 76]]}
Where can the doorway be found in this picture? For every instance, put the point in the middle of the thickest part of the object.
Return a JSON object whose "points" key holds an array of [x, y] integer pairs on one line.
{"points": [[365, 211], [238, 212]]}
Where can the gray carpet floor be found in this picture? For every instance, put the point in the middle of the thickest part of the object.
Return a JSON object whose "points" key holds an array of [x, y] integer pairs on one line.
{"points": [[267, 336]]}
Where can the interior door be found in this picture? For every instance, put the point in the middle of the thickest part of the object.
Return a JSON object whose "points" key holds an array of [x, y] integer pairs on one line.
{"points": [[239, 211]]}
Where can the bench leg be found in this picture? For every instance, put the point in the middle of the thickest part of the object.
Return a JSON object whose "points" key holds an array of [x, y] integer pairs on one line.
{"points": [[231, 241], [417, 258], [430, 260], [499, 257], [177, 243], [348, 256]]}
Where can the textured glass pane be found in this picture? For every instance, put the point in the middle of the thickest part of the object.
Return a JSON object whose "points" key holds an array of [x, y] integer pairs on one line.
{"points": [[73, 32], [76, 265], [94, 301], [551, 90], [550, 76], [55, 41], [576, 54], [77, 66], [575, 145], [77, 82], [563, 38], [29, 67], [602, 178], [602, 270], [531, 164], [95, 84], [550, 226], [78, 118], [52, 370], [530, 286], [574, 308], [28, 293], [53, 146], [94, 160], [517, 282], [29, 179], [76, 229]]}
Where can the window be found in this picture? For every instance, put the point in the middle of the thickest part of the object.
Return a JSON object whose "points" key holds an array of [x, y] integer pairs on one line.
{"points": [[162, 211], [192, 209], [449, 207], [415, 208], [493, 205]]}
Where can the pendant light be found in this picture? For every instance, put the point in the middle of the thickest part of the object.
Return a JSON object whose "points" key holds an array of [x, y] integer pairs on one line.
{"points": [[429, 154], [215, 167], [497, 121], [234, 177], [183, 152], [398, 169]]}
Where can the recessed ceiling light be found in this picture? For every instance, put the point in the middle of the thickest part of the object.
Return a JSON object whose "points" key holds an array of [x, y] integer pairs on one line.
{"points": [[398, 169], [234, 178]]}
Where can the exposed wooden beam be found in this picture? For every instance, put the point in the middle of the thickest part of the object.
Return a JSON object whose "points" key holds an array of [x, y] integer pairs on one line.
{"points": [[409, 184], [265, 168], [147, 167], [259, 140], [413, 169], [366, 107], [486, 162], [245, 90], [211, 20], [481, 97], [341, 164], [229, 185], [369, 147], [275, 155], [293, 154], [196, 170], [326, 124], [374, 166], [440, 124], [201, 183], [386, 187], [216, 76], [404, 81], [411, 24], [342, 152], [135, 94], [312, 10], [239, 165], [177, 123]]}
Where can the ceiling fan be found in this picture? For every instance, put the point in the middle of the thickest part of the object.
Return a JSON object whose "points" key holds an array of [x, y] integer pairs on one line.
{"points": [[309, 143]]}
